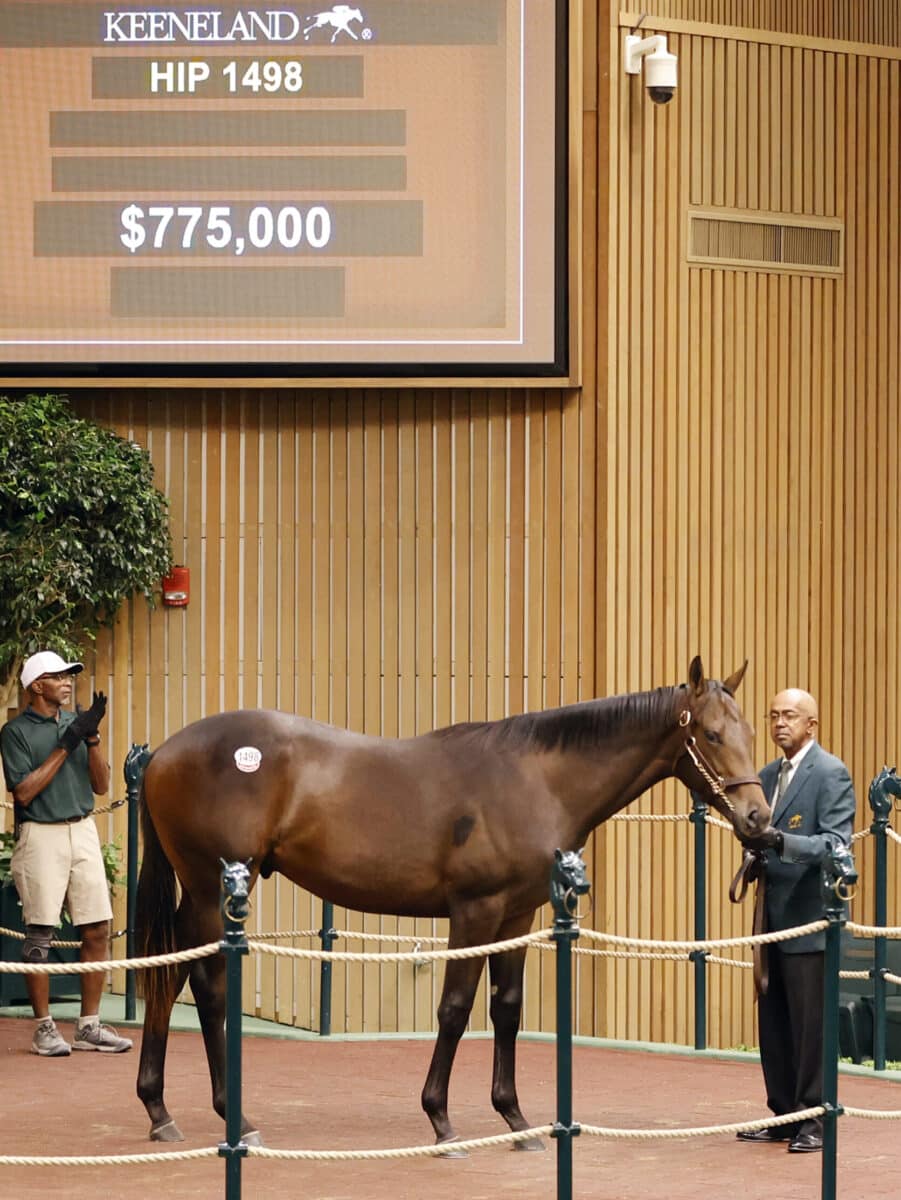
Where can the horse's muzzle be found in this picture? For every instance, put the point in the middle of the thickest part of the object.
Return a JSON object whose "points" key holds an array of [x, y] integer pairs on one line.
{"points": [[750, 811]]}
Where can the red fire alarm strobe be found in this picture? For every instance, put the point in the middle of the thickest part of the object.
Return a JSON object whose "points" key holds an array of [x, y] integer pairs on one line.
{"points": [[177, 587]]}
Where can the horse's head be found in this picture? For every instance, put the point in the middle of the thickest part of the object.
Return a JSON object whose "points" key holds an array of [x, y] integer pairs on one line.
{"points": [[715, 759], [884, 787]]}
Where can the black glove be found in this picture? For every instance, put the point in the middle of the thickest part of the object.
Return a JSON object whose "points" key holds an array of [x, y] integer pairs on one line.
{"points": [[767, 839], [85, 724], [76, 731], [98, 709]]}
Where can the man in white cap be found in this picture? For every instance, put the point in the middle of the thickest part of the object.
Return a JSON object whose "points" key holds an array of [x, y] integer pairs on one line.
{"points": [[54, 766]]}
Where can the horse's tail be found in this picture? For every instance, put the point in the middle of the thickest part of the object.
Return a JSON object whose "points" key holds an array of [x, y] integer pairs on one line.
{"points": [[155, 907]]}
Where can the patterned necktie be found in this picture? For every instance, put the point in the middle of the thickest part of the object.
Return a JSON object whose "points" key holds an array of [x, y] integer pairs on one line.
{"points": [[784, 772]]}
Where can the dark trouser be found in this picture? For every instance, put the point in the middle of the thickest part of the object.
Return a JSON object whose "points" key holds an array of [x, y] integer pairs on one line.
{"points": [[790, 1021]]}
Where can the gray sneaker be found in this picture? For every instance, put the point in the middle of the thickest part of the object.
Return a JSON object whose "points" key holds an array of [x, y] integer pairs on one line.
{"points": [[48, 1041], [100, 1037]]}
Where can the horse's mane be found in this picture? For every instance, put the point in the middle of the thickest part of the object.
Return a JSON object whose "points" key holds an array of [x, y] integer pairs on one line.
{"points": [[573, 725]]}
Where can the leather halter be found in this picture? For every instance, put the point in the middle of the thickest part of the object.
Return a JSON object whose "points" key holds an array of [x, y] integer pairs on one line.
{"points": [[717, 783]]}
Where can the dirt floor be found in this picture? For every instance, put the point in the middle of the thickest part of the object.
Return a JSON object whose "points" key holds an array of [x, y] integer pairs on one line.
{"points": [[343, 1095]]}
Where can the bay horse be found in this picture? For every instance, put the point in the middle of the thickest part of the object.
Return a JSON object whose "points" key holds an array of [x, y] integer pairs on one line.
{"points": [[462, 823]]}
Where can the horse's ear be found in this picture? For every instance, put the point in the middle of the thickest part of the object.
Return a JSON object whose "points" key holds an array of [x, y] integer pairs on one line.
{"points": [[558, 855], [696, 674], [731, 684]]}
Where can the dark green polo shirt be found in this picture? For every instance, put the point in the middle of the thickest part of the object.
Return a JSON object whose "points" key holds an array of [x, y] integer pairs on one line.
{"points": [[26, 742]]}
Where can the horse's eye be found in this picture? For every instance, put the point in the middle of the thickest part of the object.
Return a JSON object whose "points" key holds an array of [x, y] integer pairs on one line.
{"points": [[712, 736]]}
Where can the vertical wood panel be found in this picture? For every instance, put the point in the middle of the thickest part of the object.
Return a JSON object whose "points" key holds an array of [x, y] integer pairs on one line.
{"points": [[784, 400]]}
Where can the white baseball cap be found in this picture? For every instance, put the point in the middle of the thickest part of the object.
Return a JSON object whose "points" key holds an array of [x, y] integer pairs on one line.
{"points": [[46, 662]]}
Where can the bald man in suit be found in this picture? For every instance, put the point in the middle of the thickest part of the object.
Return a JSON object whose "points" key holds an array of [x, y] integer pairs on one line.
{"points": [[812, 800]]}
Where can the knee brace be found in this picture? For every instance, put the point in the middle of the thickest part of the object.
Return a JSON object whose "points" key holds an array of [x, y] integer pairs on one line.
{"points": [[36, 948]]}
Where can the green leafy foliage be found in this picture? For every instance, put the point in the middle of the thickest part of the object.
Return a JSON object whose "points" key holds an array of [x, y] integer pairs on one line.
{"points": [[82, 528], [113, 865]]}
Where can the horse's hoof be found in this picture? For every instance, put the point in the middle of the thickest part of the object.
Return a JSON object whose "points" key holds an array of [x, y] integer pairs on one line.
{"points": [[252, 1138], [167, 1132], [533, 1143], [450, 1152]]}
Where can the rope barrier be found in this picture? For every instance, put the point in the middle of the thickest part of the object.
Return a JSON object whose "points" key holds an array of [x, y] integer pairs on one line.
{"points": [[760, 939], [400, 956], [105, 1160], [803, 1114], [436, 1151], [709, 820], [652, 817], [115, 964], [20, 937], [657, 950], [872, 1114], [660, 956], [349, 934], [887, 931]]}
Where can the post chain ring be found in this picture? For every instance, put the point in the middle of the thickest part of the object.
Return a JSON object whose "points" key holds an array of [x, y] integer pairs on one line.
{"points": [[844, 892]]}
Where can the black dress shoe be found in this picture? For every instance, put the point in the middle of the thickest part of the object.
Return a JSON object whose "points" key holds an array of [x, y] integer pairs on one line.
{"points": [[805, 1143], [776, 1133]]}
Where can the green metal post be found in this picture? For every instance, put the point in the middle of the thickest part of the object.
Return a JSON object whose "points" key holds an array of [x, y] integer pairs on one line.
{"points": [[568, 882], [881, 805], [135, 761], [235, 908], [839, 877], [698, 818], [327, 937]]}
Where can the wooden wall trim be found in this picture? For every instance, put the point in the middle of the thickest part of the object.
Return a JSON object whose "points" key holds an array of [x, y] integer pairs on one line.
{"points": [[764, 37]]}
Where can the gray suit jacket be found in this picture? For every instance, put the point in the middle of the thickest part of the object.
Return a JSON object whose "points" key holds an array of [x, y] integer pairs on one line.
{"points": [[815, 815]]}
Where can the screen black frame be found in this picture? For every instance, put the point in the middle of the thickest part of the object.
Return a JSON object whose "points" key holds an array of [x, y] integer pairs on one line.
{"points": [[557, 369]]}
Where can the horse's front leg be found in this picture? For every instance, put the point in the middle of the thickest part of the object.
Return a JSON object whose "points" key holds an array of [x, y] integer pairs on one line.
{"points": [[473, 923], [461, 978], [208, 986], [506, 971]]}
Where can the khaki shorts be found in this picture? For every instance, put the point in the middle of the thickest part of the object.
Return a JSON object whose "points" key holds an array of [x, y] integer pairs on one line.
{"points": [[56, 863]]}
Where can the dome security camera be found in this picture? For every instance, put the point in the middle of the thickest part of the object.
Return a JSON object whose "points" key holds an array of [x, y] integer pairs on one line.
{"points": [[660, 71]]}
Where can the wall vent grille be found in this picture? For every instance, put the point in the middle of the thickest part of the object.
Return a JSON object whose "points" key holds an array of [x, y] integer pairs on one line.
{"points": [[766, 241]]}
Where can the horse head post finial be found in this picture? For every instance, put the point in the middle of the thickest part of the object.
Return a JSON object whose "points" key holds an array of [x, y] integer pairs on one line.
{"points": [[569, 881], [136, 761], [883, 789], [235, 897], [839, 881]]}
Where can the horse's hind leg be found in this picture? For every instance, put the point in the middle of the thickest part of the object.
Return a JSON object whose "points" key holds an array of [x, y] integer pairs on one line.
{"points": [[506, 971], [208, 987], [151, 1070]]}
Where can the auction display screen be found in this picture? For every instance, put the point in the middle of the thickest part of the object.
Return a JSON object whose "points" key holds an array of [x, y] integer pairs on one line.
{"points": [[377, 187]]}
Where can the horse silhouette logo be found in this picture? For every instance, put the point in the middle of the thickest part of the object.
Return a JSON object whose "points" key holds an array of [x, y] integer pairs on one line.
{"points": [[338, 18]]}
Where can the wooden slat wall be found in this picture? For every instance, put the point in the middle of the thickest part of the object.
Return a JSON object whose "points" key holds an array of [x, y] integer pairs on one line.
{"points": [[723, 482], [752, 508]]}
